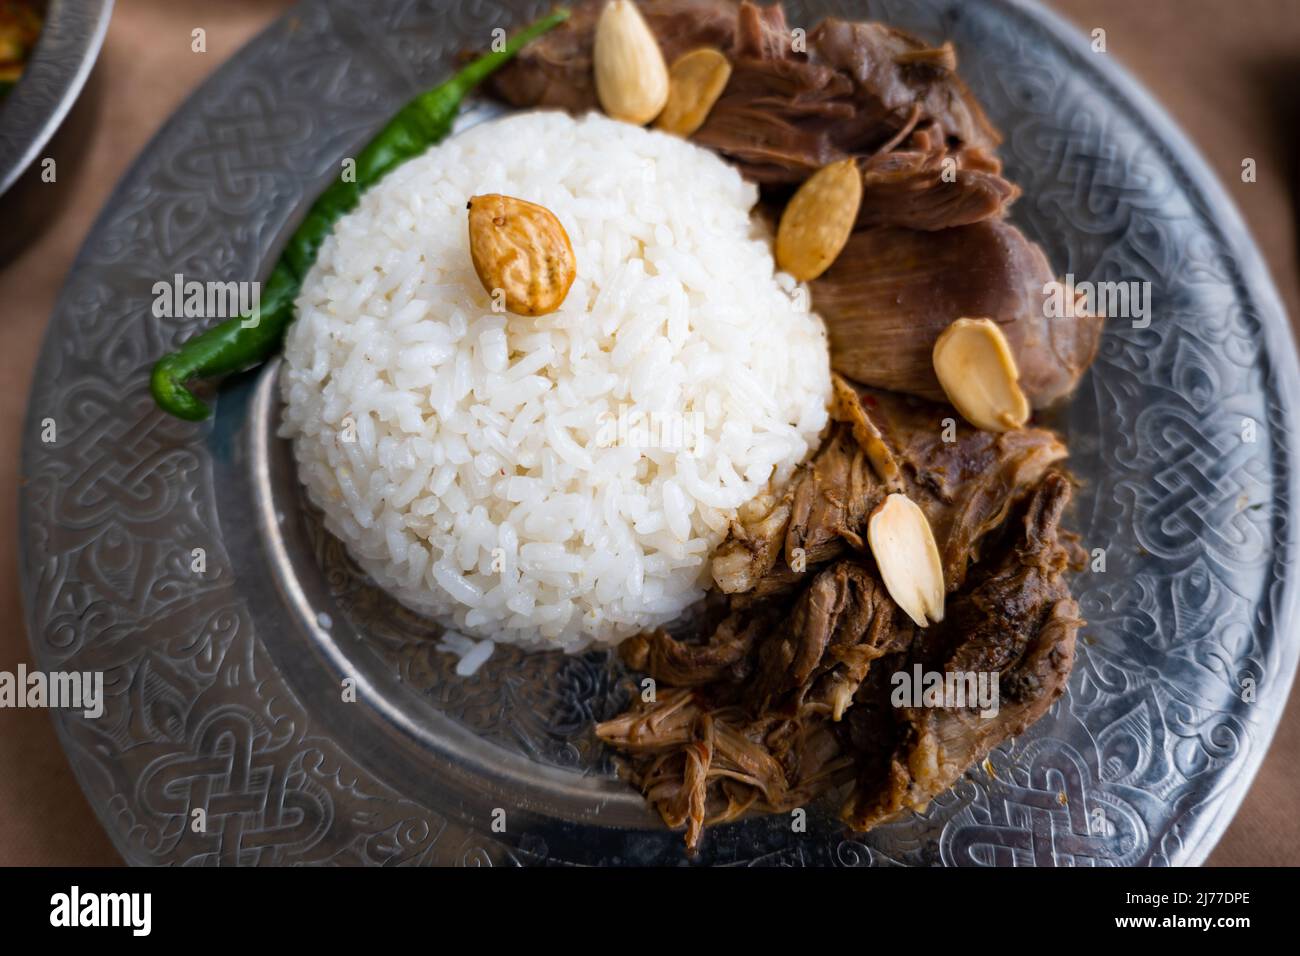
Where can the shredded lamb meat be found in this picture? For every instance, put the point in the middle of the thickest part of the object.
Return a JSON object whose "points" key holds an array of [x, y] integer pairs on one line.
{"points": [[788, 697]]}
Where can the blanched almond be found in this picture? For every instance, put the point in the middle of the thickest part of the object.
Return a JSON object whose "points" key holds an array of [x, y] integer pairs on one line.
{"points": [[631, 76], [818, 219], [978, 372], [695, 81], [903, 545], [520, 248]]}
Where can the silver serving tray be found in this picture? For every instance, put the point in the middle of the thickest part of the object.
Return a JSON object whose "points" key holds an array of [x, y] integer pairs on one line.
{"points": [[224, 687]]}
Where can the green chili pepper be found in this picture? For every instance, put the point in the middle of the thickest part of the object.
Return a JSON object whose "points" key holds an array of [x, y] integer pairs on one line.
{"points": [[245, 341]]}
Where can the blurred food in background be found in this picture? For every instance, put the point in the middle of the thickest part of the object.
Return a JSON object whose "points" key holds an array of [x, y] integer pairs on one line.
{"points": [[20, 25]]}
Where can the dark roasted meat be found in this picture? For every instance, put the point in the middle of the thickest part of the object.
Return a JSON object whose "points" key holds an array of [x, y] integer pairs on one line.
{"points": [[764, 741], [1017, 620], [789, 695], [683, 664], [854, 89], [858, 89], [906, 186], [783, 116], [895, 75], [811, 706], [965, 486], [892, 291]]}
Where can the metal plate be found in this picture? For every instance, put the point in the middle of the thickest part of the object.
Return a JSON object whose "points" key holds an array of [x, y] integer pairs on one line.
{"points": [[224, 687]]}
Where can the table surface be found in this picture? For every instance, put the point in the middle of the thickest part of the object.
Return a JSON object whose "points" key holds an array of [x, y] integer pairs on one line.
{"points": [[1225, 69]]}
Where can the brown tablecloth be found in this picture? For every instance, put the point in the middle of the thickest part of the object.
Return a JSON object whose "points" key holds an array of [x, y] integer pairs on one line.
{"points": [[1226, 69]]}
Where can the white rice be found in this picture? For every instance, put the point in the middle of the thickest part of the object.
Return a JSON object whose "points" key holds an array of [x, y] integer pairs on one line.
{"points": [[473, 462]]}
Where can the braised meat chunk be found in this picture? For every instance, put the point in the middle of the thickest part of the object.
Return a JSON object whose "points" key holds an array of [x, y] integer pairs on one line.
{"points": [[851, 89], [892, 291], [789, 699], [965, 486], [1017, 621], [913, 187], [758, 737], [856, 89]]}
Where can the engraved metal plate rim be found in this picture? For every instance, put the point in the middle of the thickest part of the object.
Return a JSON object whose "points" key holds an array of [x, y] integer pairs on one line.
{"points": [[1281, 349]]}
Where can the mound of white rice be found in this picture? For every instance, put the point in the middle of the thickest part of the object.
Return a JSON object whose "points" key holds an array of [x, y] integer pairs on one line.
{"points": [[561, 480]]}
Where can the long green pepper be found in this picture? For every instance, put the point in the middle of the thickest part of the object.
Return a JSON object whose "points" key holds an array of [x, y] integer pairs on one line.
{"points": [[248, 340]]}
